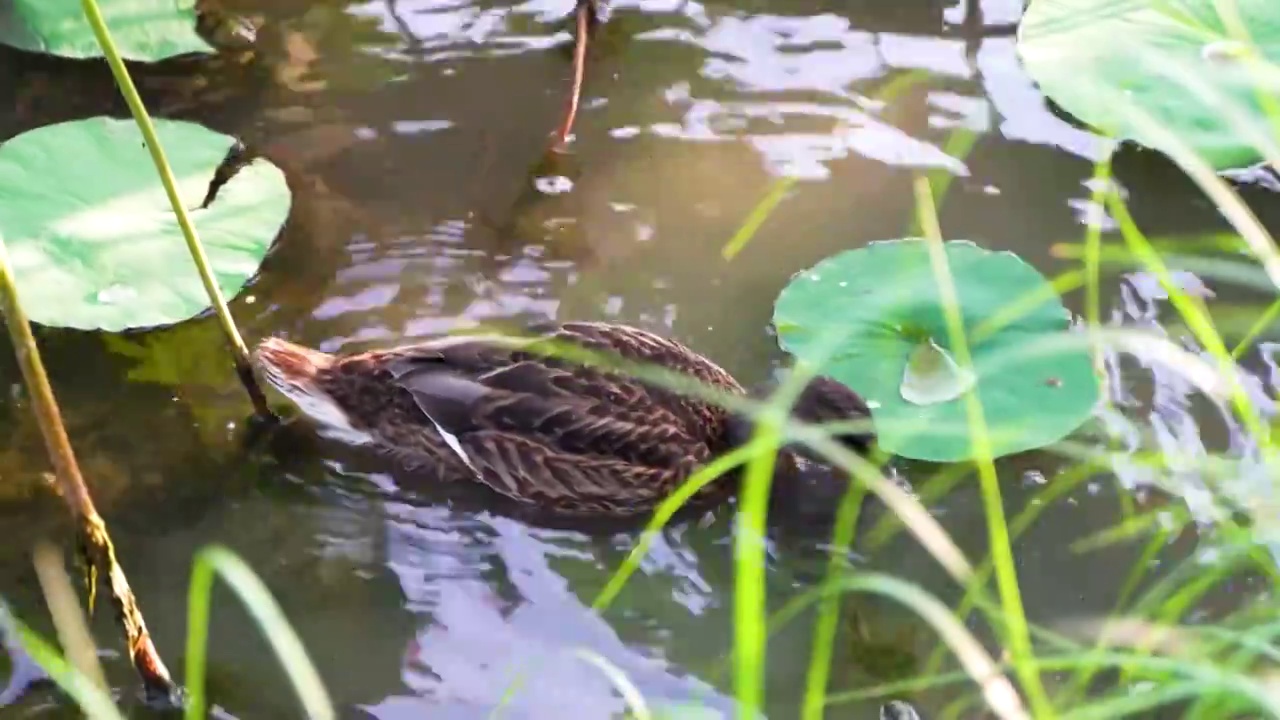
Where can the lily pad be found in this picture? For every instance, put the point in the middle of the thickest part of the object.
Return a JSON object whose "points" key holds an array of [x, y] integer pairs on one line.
{"points": [[143, 30], [93, 240], [1174, 60], [1034, 378]]}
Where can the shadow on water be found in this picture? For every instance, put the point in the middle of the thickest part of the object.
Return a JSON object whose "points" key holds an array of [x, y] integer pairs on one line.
{"points": [[411, 131]]}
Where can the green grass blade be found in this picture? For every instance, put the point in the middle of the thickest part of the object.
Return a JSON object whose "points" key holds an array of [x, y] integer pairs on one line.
{"points": [[1017, 634], [639, 710], [997, 690], [749, 637], [91, 698], [759, 214], [266, 613], [1193, 313], [666, 510], [824, 629], [68, 617]]}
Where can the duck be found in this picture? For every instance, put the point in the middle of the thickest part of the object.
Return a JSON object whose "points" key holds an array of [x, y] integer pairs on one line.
{"points": [[545, 432]]}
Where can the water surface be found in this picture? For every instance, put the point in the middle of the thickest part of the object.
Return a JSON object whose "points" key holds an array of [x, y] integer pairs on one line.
{"points": [[411, 131]]}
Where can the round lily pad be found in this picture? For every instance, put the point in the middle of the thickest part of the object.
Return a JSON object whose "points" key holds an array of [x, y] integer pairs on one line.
{"points": [[882, 307], [92, 237], [143, 30], [1093, 57]]}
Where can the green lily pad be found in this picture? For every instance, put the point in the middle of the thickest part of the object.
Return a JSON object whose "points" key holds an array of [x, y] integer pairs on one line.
{"points": [[143, 30], [1093, 57], [1034, 377], [93, 240]]}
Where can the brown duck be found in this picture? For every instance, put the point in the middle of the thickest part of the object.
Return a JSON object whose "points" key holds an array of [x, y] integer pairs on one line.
{"points": [[545, 432]]}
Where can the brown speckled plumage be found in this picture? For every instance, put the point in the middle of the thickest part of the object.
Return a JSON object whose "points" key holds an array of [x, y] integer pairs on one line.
{"points": [[556, 434]]}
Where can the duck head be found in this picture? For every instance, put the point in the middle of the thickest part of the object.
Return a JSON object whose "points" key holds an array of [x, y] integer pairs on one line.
{"points": [[822, 401], [307, 378], [806, 487]]}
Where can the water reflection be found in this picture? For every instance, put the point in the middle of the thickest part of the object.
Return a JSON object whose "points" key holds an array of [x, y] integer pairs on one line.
{"points": [[1166, 413]]}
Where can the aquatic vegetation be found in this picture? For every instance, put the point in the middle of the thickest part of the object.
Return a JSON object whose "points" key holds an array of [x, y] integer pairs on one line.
{"points": [[877, 313], [146, 30], [40, 212], [96, 548], [93, 240], [1200, 71], [155, 148], [209, 564]]}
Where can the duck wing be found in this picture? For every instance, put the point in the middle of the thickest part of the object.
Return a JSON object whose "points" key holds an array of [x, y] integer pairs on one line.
{"points": [[523, 431], [519, 365], [540, 403], [531, 472], [643, 346], [699, 418]]}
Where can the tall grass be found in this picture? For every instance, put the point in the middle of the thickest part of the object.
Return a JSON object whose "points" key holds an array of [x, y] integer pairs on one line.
{"points": [[1018, 636], [83, 683]]}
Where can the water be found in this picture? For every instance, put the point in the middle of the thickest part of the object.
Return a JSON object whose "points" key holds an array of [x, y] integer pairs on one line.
{"points": [[409, 130]]}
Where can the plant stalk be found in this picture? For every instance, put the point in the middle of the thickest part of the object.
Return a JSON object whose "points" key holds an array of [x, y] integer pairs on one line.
{"points": [[1015, 631], [95, 543], [583, 24], [239, 351]]}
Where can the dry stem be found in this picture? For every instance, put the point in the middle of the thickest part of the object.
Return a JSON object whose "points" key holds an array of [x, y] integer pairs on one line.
{"points": [[95, 543]]}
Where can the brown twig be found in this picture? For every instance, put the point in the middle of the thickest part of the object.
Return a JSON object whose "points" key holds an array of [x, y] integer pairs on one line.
{"points": [[583, 25], [95, 544]]}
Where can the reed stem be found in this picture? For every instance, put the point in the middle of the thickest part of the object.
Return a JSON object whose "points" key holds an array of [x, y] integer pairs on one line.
{"points": [[239, 351], [584, 22], [95, 543]]}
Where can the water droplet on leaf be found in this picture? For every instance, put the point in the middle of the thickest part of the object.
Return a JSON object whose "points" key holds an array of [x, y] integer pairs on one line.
{"points": [[1225, 51], [115, 293], [933, 377]]}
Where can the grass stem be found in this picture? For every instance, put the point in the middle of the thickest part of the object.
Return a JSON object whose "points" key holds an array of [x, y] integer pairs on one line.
{"points": [[239, 350], [1016, 633], [96, 546]]}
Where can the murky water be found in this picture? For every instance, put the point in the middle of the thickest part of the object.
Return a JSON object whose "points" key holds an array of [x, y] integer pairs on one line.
{"points": [[410, 130]]}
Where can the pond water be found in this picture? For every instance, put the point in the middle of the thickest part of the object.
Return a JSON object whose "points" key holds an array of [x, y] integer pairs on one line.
{"points": [[411, 130]]}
